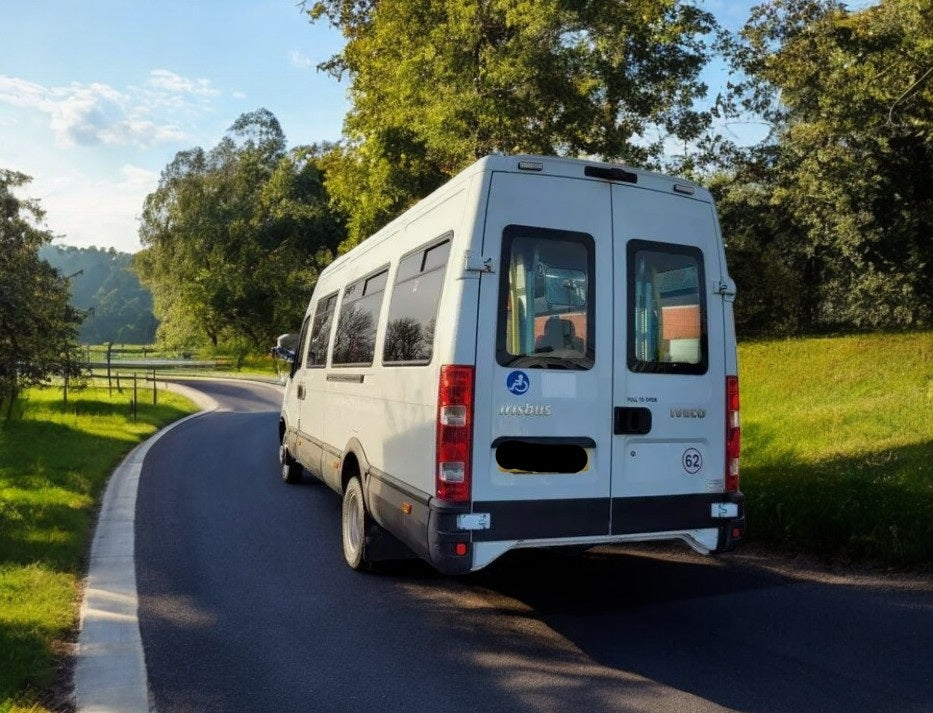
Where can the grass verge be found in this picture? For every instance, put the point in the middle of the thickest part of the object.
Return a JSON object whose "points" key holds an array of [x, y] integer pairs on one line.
{"points": [[837, 446], [54, 463]]}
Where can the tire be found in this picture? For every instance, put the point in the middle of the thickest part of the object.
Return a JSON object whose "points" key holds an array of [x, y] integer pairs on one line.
{"points": [[355, 524], [290, 468]]}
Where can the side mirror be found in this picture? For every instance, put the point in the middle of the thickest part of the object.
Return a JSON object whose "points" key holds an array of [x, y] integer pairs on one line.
{"points": [[288, 341], [284, 354], [285, 347]]}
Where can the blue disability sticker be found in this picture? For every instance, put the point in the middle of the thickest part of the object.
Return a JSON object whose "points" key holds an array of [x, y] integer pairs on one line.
{"points": [[517, 382]]}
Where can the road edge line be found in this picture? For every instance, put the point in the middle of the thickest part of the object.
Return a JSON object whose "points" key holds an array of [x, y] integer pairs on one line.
{"points": [[110, 666]]}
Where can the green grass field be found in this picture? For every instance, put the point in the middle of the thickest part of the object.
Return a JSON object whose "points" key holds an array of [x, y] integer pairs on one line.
{"points": [[54, 462], [837, 446]]}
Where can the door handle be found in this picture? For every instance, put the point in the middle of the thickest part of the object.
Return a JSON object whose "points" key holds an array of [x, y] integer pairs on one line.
{"points": [[301, 391], [631, 420]]}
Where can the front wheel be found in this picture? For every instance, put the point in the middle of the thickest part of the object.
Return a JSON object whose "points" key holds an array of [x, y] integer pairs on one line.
{"points": [[289, 467], [355, 522]]}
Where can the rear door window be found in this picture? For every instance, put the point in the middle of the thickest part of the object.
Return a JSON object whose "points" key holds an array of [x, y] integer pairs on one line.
{"points": [[666, 309], [546, 299]]}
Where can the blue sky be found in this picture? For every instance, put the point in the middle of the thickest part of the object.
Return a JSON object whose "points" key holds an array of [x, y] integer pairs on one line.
{"points": [[97, 96]]}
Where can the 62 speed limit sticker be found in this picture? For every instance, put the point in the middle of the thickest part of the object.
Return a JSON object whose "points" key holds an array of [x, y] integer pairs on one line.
{"points": [[692, 460]]}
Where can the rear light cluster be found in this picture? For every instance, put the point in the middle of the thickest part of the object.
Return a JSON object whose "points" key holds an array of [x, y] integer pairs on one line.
{"points": [[733, 434], [452, 475]]}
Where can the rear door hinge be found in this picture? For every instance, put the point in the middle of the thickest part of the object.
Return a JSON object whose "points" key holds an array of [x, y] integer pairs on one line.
{"points": [[478, 263], [726, 288]]}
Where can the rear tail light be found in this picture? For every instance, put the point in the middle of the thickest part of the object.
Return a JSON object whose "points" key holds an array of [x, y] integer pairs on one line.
{"points": [[733, 434], [452, 475]]}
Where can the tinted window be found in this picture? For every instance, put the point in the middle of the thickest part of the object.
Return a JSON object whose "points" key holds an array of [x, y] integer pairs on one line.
{"points": [[413, 309], [546, 299], [355, 340], [666, 308], [320, 331]]}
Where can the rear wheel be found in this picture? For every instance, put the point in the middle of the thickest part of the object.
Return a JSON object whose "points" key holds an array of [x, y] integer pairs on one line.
{"points": [[355, 523], [290, 468]]}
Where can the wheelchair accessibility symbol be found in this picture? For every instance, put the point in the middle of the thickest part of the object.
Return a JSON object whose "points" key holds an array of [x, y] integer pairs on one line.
{"points": [[517, 382]]}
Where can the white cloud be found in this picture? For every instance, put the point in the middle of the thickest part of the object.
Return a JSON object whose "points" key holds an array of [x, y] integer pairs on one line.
{"points": [[97, 114], [171, 82], [102, 211], [238, 95], [87, 115], [300, 60], [137, 176], [19, 92]]}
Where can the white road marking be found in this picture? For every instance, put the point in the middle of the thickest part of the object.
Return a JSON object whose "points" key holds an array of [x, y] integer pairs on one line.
{"points": [[110, 671]]}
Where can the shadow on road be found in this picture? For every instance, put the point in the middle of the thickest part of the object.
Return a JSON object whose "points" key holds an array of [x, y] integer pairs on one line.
{"points": [[743, 639]]}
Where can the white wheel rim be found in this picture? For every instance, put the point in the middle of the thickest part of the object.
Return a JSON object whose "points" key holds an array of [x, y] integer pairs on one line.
{"points": [[353, 526]]}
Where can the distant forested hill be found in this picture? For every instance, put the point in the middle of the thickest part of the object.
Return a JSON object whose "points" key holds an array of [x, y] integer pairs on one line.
{"points": [[120, 307]]}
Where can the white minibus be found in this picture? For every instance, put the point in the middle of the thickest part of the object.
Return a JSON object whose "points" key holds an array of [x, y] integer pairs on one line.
{"points": [[541, 353]]}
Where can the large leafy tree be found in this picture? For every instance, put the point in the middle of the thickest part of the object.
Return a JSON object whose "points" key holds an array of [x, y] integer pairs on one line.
{"points": [[843, 199], [37, 325], [234, 237], [436, 84]]}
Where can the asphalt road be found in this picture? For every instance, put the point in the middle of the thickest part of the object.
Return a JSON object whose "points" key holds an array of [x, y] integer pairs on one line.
{"points": [[245, 604]]}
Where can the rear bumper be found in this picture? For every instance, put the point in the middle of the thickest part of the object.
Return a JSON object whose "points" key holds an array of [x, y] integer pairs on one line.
{"points": [[732, 531], [524, 523], [589, 517], [444, 535]]}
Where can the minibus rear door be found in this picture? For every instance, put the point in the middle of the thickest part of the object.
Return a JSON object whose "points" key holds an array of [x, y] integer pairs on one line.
{"points": [[669, 404], [542, 438]]}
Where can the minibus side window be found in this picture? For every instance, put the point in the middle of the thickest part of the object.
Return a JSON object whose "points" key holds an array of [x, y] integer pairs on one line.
{"points": [[301, 344], [355, 341], [666, 309], [546, 299], [413, 309], [320, 331]]}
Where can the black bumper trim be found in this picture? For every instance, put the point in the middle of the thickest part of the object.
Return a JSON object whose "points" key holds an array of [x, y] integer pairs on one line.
{"points": [[404, 488], [670, 512], [590, 517], [542, 519], [444, 536]]}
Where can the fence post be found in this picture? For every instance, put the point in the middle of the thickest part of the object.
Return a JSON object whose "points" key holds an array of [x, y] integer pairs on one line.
{"points": [[109, 383], [134, 396]]}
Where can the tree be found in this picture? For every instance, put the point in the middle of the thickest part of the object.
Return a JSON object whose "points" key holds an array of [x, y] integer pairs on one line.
{"points": [[37, 325], [436, 84], [850, 98], [235, 237], [764, 256], [118, 308]]}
